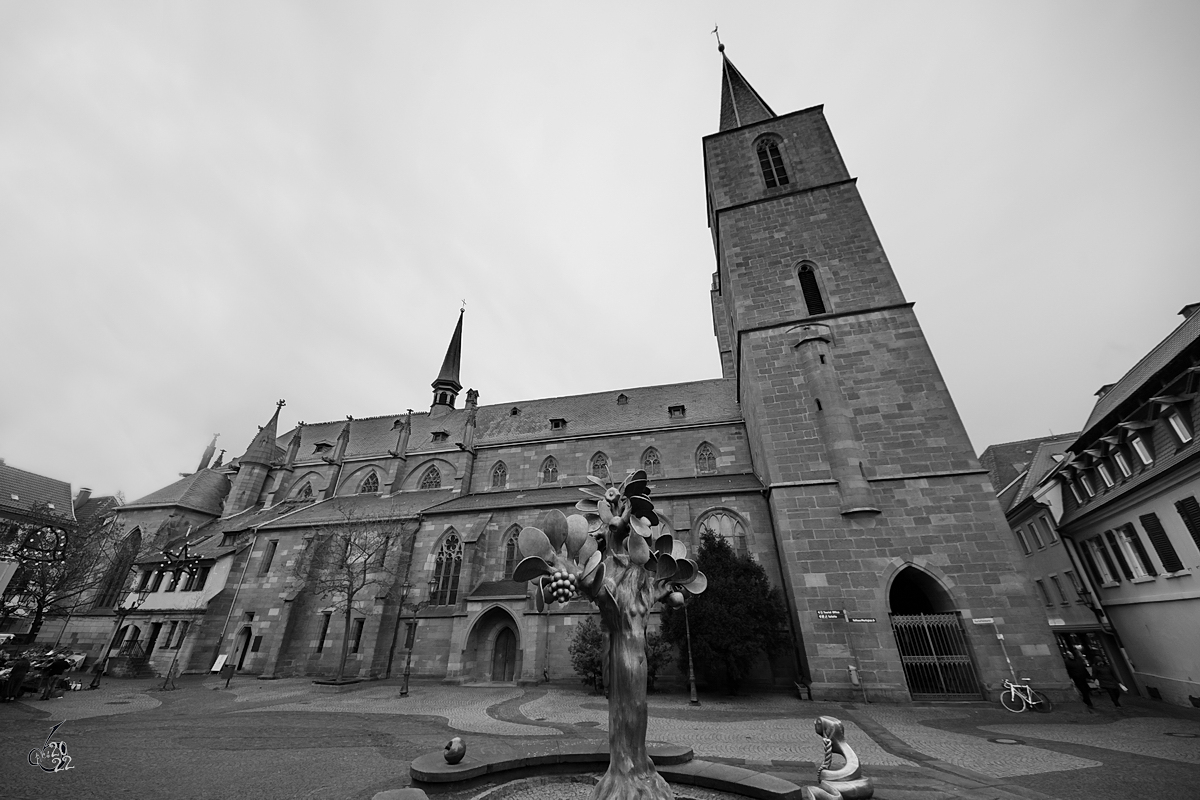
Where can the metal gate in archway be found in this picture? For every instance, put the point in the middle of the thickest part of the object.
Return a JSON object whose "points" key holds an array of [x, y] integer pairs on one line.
{"points": [[936, 656]]}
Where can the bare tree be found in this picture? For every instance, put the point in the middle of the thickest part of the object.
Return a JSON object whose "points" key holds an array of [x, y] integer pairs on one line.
{"points": [[343, 562], [60, 562]]}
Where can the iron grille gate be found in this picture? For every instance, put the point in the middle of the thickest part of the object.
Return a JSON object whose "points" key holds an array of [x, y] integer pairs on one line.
{"points": [[936, 656]]}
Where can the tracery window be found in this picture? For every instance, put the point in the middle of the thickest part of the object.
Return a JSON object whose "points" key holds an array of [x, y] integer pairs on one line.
{"points": [[724, 525], [432, 479], [811, 290], [446, 570], [512, 555], [499, 475], [306, 492], [370, 484], [706, 460], [771, 162], [599, 465], [550, 470], [652, 463]]}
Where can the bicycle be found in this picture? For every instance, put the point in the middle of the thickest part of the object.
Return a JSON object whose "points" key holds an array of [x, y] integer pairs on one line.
{"points": [[1017, 697]]}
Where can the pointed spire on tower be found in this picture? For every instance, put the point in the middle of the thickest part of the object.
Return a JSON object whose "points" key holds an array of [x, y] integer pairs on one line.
{"points": [[262, 448], [208, 453], [740, 104], [447, 387]]}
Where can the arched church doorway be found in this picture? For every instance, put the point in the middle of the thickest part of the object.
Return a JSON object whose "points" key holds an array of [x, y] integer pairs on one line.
{"points": [[493, 651], [935, 653], [504, 656]]}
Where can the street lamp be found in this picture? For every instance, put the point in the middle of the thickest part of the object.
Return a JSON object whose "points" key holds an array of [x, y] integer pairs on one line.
{"points": [[123, 611], [410, 635], [1089, 600], [687, 627]]}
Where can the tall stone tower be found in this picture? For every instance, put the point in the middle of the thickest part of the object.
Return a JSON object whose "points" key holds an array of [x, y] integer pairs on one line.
{"points": [[879, 506]]}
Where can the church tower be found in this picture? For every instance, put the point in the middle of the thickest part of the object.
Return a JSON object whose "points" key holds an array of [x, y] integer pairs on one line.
{"points": [[254, 466], [447, 387], [880, 509]]}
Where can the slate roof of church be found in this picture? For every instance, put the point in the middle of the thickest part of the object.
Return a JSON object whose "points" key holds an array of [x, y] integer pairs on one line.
{"points": [[712, 400], [360, 507], [201, 491], [96, 506], [30, 488], [1166, 351], [1043, 461], [206, 541], [740, 104]]}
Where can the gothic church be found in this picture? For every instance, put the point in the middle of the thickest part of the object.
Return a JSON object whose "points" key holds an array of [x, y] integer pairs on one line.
{"points": [[829, 450]]}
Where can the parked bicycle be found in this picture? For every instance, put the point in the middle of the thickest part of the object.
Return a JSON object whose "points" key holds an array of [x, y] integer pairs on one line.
{"points": [[1017, 697]]}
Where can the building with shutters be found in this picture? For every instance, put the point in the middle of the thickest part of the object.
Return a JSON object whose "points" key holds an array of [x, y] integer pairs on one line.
{"points": [[829, 450], [1129, 494]]}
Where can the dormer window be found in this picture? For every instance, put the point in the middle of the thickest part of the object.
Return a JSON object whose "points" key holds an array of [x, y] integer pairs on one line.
{"points": [[514, 412], [1122, 461], [558, 424], [1176, 422], [677, 412], [228, 539], [1141, 449], [321, 448], [1105, 475], [440, 436], [622, 399]]}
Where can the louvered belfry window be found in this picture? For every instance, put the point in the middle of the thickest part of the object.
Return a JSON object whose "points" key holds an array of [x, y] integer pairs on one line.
{"points": [[811, 290], [771, 162]]}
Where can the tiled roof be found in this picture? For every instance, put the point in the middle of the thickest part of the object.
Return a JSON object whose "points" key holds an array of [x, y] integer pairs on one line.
{"points": [[1178, 341], [1043, 461], [30, 488], [96, 506], [1005, 461], [205, 541], [705, 401], [361, 507], [1162, 466], [263, 448], [569, 495], [499, 589], [201, 491], [740, 104]]}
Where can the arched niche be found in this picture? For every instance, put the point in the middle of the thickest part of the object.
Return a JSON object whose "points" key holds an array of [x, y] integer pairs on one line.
{"points": [[915, 591], [494, 647]]}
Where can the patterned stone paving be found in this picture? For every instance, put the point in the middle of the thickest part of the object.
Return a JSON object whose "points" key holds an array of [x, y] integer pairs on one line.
{"points": [[463, 709], [1143, 736], [103, 702], [757, 741], [970, 752]]}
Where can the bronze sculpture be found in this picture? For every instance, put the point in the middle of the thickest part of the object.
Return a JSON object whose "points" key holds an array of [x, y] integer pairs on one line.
{"points": [[845, 783], [619, 558]]}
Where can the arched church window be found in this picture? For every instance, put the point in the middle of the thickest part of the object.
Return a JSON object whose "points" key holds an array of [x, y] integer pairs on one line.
{"points": [[446, 571], [652, 463], [811, 290], [306, 492], [550, 470], [499, 475], [512, 555], [114, 581], [724, 525], [771, 162], [706, 460], [370, 484], [599, 466], [432, 479]]}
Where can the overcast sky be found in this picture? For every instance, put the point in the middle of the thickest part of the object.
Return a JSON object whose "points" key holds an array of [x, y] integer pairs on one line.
{"points": [[205, 207]]}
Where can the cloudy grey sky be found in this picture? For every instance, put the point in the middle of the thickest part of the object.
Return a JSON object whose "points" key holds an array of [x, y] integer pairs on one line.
{"points": [[205, 207]]}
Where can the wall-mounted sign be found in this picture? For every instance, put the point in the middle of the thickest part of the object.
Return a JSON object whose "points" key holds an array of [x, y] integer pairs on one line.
{"points": [[863, 619], [983, 620], [829, 615]]}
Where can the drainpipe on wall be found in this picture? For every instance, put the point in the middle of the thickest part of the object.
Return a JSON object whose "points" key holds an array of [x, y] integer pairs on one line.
{"points": [[236, 592]]}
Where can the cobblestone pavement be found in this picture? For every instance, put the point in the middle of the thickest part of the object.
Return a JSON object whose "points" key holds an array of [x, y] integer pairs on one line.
{"points": [[1140, 736], [757, 741], [974, 753], [111, 698], [464, 709]]}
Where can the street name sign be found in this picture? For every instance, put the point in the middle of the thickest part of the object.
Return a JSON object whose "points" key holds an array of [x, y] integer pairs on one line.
{"points": [[829, 615], [983, 620]]}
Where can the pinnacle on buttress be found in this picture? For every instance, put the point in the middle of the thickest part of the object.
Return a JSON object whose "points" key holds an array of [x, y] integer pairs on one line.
{"points": [[740, 104], [447, 386], [262, 448], [206, 459]]}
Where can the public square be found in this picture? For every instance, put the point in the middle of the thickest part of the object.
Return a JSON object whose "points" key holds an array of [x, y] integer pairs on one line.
{"points": [[291, 739]]}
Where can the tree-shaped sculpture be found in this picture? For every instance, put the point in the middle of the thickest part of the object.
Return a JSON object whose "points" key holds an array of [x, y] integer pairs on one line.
{"points": [[618, 557]]}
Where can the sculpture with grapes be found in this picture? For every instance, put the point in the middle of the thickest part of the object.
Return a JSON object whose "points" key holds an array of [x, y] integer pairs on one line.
{"points": [[617, 555]]}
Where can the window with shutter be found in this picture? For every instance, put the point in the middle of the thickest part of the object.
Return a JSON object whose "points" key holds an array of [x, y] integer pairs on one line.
{"points": [[1100, 561], [1161, 542], [1135, 552], [1189, 509], [1126, 570]]}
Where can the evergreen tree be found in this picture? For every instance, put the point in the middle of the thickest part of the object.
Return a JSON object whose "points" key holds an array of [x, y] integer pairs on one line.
{"points": [[587, 652], [738, 618]]}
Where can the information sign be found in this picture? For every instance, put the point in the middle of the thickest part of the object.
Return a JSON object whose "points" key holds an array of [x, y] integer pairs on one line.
{"points": [[863, 619], [983, 620], [829, 615]]}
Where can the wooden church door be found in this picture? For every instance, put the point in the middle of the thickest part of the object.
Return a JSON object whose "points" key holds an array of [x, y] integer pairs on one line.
{"points": [[504, 656]]}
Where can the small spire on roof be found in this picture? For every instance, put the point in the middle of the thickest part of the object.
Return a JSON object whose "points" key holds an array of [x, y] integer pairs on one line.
{"points": [[447, 386], [740, 104], [262, 448], [208, 453]]}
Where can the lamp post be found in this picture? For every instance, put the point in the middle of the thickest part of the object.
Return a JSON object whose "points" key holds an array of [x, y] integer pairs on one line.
{"points": [[687, 628], [123, 611], [1089, 600], [410, 635]]}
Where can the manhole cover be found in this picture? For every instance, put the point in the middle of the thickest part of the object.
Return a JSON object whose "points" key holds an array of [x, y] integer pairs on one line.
{"points": [[1185, 735], [1003, 740], [117, 703]]}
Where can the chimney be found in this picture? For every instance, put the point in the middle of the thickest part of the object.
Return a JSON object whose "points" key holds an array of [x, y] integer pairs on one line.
{"points": [[81, 498], [1187, 311]]}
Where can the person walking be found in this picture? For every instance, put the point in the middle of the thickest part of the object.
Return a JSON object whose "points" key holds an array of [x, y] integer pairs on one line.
{"points": [[16, 678], [1078, 673], [1109, 681], [52, 674]]}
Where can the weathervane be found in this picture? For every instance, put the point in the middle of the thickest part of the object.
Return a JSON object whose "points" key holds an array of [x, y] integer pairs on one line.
{"points": [[464, 305], [720, 47]]}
